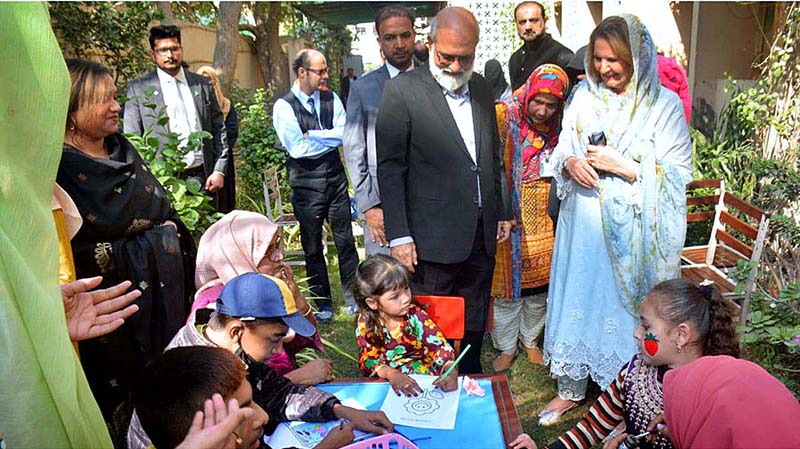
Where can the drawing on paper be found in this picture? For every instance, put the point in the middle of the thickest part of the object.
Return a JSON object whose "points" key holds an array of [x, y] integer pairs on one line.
{"points": [[426, 403], [431, 409], [310, 434]]}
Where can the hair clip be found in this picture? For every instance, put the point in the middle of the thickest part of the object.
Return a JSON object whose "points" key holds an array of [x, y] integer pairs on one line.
{"points": [[706, 288]]}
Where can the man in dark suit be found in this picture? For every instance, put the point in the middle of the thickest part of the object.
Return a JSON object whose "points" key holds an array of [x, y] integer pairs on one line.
{"points": [[347, 81], [395, 27], [190, 105], [440, 173], [538, 47]]}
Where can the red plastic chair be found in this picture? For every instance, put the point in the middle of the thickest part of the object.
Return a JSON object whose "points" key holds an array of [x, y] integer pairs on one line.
{"points": [[448, 313]]}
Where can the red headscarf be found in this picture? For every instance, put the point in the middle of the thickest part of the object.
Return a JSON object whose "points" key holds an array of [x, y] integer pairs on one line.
{"points": [[673, 77], [723, 402], [528, 136]]}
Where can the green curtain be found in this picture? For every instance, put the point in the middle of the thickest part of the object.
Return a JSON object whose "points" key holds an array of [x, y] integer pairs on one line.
{"points": [[45, 401]]}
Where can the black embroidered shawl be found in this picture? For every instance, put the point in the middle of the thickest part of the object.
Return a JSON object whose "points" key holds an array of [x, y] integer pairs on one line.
{"points": [[123, 207]]}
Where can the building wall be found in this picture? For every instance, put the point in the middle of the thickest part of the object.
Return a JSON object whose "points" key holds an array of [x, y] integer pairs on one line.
{"points": [[198, 47], [727, 40]]}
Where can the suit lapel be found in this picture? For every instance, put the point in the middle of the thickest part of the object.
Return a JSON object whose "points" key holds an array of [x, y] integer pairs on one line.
{"points": [[476, 119], [382, 78], [436, 96], [157, 99], [158, 95]]}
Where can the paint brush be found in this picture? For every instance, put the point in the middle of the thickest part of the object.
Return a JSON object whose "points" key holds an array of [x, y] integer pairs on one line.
{"points": [[450, 370]]}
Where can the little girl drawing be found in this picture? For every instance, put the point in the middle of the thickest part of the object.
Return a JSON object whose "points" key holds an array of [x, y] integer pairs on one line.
{"points": [[678, 323], [395, 336]]}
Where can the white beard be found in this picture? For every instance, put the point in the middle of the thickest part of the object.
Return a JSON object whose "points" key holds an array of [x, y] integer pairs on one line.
{"points": [[448, 80]]}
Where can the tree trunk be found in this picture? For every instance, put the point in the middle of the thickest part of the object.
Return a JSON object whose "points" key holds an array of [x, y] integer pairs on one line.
{"points": [[227, 47], [272, 59], [166, 10], [280, 62]]}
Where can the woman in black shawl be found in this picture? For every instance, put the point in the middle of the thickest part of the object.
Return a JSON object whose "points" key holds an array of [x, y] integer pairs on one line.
{"points": [[130, 231], [493, 72]]}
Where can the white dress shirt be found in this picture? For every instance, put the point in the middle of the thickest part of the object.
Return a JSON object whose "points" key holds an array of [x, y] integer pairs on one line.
{"points": [[394, 71], [319, 141], [174, 89]]}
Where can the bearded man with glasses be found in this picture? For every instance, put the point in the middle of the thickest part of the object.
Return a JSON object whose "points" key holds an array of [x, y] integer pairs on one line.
{"points": [[309, 121], [441, 176]]}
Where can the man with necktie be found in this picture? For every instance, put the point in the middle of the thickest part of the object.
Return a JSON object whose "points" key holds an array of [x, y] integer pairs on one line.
{"points": [[309, 123], [191, 106]]}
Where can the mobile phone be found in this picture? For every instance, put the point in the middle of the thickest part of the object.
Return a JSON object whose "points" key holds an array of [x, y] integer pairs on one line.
{"points": [[598, 138]]}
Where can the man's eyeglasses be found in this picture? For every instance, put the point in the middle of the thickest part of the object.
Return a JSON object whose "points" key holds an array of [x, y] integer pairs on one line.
{"points": [[165, 51], [319, 72], [464, 61]]}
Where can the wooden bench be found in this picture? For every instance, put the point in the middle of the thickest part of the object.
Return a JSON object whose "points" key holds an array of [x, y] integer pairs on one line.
{"points": [[738, 233], [276, 213]]}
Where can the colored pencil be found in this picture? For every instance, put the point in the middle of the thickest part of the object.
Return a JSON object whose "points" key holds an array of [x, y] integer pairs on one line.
{"points": [[450, 370]]}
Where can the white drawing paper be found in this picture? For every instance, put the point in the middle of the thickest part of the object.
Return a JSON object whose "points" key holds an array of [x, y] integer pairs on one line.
{"points": [[431, 409]]}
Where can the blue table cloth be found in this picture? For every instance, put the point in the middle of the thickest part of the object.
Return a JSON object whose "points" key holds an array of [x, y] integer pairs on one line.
{"points": [[477, 422]]}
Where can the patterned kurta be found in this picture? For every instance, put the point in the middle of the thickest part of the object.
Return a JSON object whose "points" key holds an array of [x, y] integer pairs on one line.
{"points": [[634, 397], [535, 226], [523, 261], [421, 348]]}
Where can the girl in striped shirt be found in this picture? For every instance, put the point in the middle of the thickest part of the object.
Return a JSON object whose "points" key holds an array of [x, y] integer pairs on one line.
{"points": [[678, 323]]}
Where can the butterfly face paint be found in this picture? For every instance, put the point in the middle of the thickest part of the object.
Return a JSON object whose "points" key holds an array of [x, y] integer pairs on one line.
{"points": [[650, 344]]}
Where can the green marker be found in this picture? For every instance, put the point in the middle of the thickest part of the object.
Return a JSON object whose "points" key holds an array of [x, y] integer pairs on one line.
{"points": [[450, 370]]}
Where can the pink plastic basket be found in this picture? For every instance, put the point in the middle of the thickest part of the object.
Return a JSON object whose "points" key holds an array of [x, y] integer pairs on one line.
{"points": [[385, 441]]}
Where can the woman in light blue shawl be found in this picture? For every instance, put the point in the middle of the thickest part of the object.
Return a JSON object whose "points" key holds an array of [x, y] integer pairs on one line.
{"points": [[622, 220]]}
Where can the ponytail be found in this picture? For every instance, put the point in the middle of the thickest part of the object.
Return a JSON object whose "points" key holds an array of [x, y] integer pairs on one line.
{"points": [[678, 301], [721, 338]]}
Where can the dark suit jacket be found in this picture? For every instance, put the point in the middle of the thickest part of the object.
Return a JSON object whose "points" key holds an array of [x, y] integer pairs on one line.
{"points": [[426, 177], [524, 61], [138, 117]]}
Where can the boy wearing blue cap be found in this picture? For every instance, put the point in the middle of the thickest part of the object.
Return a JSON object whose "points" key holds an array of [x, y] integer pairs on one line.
{"points": [[253, 314]]}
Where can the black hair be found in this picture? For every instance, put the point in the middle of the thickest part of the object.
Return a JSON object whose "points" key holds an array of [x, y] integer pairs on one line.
{"points": [[678, 301], [218, 321], [163, 32], [530, 2], [301, 60], [176, 384], [387, 12], [376, 275]]}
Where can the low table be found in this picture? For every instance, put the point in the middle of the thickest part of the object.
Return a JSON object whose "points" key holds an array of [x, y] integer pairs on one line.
{"points": [[482, 423]]}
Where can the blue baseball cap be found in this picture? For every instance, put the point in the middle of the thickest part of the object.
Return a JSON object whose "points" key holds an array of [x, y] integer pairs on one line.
{"points": [[250, 296]]}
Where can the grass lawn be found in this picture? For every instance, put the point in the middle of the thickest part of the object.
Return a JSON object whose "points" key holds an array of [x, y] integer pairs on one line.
{"points": [[531, 385]]}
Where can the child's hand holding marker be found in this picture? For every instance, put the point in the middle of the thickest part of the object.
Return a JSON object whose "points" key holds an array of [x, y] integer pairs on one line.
{"points": [[449, 380]]}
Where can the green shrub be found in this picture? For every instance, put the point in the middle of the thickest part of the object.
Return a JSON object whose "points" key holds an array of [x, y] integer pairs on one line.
{"points": [[256, 148], [772, 335], [732, 152], [166, 164]]}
